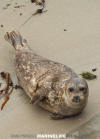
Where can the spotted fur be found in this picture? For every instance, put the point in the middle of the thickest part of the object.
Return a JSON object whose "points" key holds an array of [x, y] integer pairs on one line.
{"points": [[46, 82]]}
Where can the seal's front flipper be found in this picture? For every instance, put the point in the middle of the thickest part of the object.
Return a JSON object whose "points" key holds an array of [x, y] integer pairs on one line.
{"points": [[36, 99], [40, 95], [57, 117]]}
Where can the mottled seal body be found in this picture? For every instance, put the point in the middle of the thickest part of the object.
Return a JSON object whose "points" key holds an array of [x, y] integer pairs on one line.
{"points": [[54, 86]]}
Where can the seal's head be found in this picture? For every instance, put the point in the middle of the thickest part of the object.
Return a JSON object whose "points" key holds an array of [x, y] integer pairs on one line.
{"points": [[76, 93]]}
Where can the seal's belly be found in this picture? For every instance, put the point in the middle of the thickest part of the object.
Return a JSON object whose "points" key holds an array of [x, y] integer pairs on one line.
{"points": [[61, 110]]}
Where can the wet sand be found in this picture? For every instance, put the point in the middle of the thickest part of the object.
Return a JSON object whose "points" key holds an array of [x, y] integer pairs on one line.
{"points": [[77, 47]]}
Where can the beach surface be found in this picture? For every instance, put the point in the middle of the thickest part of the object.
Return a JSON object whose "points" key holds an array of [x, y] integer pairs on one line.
{"points": [[69, 33]]}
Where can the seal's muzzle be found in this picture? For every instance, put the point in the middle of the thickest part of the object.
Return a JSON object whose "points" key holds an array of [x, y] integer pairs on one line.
{"points": [[76, 99]]}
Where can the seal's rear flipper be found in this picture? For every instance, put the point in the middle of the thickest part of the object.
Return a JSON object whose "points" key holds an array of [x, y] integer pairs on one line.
{"points": [[15, 39]]}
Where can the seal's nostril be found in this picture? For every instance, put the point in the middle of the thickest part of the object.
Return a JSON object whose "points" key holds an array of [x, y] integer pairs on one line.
{"points": [[76, 97]]}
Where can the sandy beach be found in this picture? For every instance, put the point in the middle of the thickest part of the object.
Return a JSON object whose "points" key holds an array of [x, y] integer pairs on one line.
{"points": [[69, 33]]}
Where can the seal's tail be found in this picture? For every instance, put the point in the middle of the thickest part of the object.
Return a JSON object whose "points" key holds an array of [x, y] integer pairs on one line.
{"points": [[15, 39]]}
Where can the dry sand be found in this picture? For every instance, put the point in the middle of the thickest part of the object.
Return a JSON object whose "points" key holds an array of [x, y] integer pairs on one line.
{"points": [[78, 47]]}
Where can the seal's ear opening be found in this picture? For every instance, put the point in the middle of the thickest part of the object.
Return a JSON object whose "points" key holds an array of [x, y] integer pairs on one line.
{"points": [[15, 39]]}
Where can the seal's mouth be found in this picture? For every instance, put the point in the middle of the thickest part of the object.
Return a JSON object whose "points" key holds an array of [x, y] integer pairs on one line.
{"points": [[76, 104], [76, 101]]}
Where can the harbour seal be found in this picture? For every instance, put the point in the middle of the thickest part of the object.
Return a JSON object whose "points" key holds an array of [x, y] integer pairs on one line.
{"points": [[52, 85]]}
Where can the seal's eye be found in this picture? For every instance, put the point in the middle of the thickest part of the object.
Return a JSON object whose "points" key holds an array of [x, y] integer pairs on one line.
{"points": [[71, 89], [82, 89]]}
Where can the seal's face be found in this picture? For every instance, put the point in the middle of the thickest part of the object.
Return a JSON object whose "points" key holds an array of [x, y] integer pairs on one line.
{"points": [[76, 92]]}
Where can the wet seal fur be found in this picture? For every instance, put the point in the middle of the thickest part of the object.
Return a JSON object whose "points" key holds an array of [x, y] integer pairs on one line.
{"points": [[54, 86]]}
